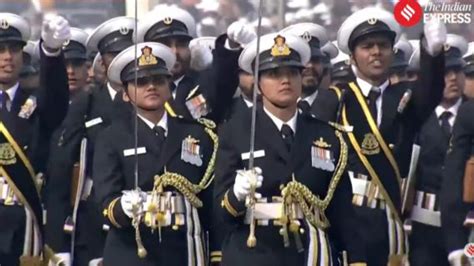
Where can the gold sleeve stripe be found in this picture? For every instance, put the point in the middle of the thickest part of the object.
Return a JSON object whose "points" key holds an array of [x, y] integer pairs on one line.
{"points": [[110, 213], [226, 204], [216, 259], [358, 264], [216, 253]]}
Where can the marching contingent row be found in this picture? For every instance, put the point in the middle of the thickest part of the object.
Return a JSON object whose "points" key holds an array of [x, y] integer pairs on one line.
{"points": [[281, 149]]}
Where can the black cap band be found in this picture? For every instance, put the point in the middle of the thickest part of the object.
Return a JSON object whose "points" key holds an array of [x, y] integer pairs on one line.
{"points": [[75, 50], [399, 60], [11, 34], [163, 30], [365, 29], [115, 42], [128, 72], [453, 58], [469, 67], [268, 61]]}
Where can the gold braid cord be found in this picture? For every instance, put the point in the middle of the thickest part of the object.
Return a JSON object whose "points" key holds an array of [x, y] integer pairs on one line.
{"points": [[181, 183], [312, 206]]}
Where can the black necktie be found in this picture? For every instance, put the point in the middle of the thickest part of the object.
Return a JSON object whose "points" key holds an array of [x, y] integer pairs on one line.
{"points": [[4, 100], [304, 107], [373, 96], [287, 135], [160, 135], [445, 125]]}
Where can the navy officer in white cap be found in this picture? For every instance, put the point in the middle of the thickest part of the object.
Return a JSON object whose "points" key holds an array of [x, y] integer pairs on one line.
{"points": [[427, 244], [315, 71], [402, 51], [386, 118], [299, 164], [175, 165], [196, 94], [469, 71], [26, 124]]}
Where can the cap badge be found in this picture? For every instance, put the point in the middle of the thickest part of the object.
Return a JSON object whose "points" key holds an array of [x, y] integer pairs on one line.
{"points": [[124, 30], [65, 43], [147, 58], [167, 20], [446, 47], [370, 145], [280, 48], [4, 24], [372, 21], [306, 36]]}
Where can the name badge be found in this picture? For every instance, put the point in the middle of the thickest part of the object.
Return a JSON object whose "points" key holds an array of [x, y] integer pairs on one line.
{"points": [[130, 152], [321, 156], [256, 154], [93, 122], [190, 151]]}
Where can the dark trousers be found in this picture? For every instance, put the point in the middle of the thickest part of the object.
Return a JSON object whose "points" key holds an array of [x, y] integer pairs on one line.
{"points": [[427, 246], [12, 234]]}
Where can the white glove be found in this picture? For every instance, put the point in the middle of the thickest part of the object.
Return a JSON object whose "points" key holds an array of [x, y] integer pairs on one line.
{"points": [[96, 262], [64, 259], [457, 258], [132, 199], [201, 57], [241, 33], [243, 180], [435, 34], [55, 32]]}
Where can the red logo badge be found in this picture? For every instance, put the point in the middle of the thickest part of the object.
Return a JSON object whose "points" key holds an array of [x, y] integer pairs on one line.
{"points": [[469, 250], [407, 12]]}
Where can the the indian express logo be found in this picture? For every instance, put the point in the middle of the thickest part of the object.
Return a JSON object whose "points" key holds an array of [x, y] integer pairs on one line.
{"points": [[448, 13]]}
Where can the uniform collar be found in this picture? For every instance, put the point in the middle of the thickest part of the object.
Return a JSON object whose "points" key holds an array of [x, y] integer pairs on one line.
{"points": [[310, 99], [453, 109], [12, 91], [366, 87], [163, 123], [178, 80], [247, 102], [111, 90], [279, 123]]}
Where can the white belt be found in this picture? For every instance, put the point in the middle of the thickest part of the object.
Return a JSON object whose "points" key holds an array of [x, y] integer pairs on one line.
{"points": [[264, 212], [7, 195], [365, 192], [424, 209], [169, 206]]}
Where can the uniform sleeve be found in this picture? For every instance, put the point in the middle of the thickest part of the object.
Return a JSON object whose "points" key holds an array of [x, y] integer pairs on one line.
{"points": [[108, 179], [228, 162], [429, 88], [453, 209], [53, 93], [225, 76], [345, 226]]}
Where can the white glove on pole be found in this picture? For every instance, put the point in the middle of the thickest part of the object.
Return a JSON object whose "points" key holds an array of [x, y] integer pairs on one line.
{"points": [[243, 180], [435, 35], [132, 199], [241, 33], [64, 259], [201, 57], [55, 32]]}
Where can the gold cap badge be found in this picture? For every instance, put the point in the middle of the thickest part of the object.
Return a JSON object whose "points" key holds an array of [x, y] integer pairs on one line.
{"points": [[280, 48], [147, 58]]}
